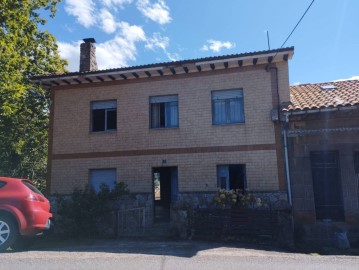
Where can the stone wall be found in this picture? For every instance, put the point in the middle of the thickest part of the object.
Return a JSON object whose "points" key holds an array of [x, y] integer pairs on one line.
{"points": [[128, 218]]}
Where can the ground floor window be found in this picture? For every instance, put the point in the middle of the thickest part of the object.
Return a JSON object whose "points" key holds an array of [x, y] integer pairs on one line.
{"points": [[99, 177], [232, 176]]}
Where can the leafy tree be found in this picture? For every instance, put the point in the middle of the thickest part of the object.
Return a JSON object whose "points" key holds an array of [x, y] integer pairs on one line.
{"points": [[25, 50]]}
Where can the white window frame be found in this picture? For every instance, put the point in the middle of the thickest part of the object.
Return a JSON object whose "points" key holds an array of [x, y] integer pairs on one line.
{"points": [[229, 98], [166, 99], [108, 106]]}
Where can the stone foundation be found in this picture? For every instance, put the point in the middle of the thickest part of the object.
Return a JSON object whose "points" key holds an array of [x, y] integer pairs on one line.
{"points": [[134, 213]]}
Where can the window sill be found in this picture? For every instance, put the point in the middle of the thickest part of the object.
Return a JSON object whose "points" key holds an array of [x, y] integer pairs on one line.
{"points": [[103, 132], [165, 128], [229, 124]]}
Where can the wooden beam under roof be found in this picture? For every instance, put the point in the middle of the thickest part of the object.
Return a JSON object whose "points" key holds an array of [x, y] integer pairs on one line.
{"points": [[78, 81], [123, 76], [66, 81], [100, 78], [160, 72], [240, 63], [270, 59], [255, 60], [285, 57], [212, 66], [88, 79], [225, 65], [135, 74], [185, 69], [148, 74], [111, 77], [55, 83], [199, 68], [173, 71]]}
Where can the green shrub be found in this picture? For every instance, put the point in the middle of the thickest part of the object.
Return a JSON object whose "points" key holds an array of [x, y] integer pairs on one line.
{"points": [[87, 213]]}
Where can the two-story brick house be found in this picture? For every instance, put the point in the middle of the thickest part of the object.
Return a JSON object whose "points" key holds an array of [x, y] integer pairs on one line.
{"points": [[170, 131]]}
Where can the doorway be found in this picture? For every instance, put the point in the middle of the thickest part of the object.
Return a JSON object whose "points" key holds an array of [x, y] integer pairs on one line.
{"points": [[165, 191], [327, 185]]}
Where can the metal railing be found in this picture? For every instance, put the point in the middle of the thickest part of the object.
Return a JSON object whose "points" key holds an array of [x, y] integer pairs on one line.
{"points": [[131, 222]]}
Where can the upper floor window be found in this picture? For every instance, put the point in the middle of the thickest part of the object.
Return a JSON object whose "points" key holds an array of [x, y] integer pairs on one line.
{"points": [[104, 115], [164, 111], [227, 107]]}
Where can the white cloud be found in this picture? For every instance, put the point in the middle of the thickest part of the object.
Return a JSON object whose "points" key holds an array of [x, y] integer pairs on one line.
{"points": [[132, 33], [83, 10], [71, 52], [158, 12], [157, 41], [113, 53], [107, 21], [173, 56], [216, 45], [114, 3], [351, 78]]}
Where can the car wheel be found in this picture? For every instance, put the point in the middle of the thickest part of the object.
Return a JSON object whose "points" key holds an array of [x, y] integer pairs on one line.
{"points": [[8, 232]]}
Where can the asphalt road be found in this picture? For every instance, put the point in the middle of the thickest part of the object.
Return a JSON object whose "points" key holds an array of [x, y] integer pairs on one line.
{"points": [[168, 255]]}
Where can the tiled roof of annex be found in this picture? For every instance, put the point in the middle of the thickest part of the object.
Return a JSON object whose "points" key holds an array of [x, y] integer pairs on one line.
{"points": [[323, 95]]}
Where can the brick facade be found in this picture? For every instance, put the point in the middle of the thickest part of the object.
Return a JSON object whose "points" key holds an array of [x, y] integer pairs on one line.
{"points": [[196, 147]]}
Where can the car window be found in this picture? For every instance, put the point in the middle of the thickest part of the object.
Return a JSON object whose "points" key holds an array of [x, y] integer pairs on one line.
{"points": [[32, 187], [2, 183]]}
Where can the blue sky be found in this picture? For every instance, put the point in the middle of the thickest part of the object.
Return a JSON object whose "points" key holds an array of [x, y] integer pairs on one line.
{"points": [[136, 32]]}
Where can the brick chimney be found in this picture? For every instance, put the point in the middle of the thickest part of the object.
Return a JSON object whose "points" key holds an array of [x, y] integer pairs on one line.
{"points": [[88, 55]]}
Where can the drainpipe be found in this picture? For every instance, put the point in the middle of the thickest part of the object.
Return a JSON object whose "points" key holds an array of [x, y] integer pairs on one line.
{"points": [[289, 189]]}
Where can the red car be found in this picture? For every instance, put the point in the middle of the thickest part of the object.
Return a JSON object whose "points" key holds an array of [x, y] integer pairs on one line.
{"points": [[24, 211]]}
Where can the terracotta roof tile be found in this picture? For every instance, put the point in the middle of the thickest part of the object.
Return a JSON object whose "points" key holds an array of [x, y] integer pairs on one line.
{"points": [[323, 95]]}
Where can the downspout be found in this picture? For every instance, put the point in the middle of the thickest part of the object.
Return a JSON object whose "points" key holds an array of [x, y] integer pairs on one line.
{"points": [[286, 161]]}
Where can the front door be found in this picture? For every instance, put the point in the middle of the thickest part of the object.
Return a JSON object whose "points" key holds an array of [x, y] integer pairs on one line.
{"points": [[327, 186], [165, 190]]}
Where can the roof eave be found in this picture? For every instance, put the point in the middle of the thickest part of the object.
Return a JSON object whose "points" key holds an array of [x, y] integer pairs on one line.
{"points": [[169, 68]]}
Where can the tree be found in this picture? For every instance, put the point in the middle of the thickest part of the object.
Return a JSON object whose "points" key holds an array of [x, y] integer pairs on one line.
{"points": [[25, 51]]}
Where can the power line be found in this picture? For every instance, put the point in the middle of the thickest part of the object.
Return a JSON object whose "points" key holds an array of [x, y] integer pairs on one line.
{"points": [[295, 27]]}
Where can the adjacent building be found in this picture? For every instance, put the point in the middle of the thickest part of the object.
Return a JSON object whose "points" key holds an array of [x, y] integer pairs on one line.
{"points": [[323, 144]]}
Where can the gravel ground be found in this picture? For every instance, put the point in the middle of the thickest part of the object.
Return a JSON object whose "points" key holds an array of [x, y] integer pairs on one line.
{"points": [[131, 254]]}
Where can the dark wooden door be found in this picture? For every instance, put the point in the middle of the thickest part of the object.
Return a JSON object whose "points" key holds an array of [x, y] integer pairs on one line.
{"points": [[327, 185]]}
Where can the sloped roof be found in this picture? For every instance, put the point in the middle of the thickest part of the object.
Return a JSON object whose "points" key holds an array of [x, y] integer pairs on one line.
{"points": [[166, 69], [325, 95]]}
